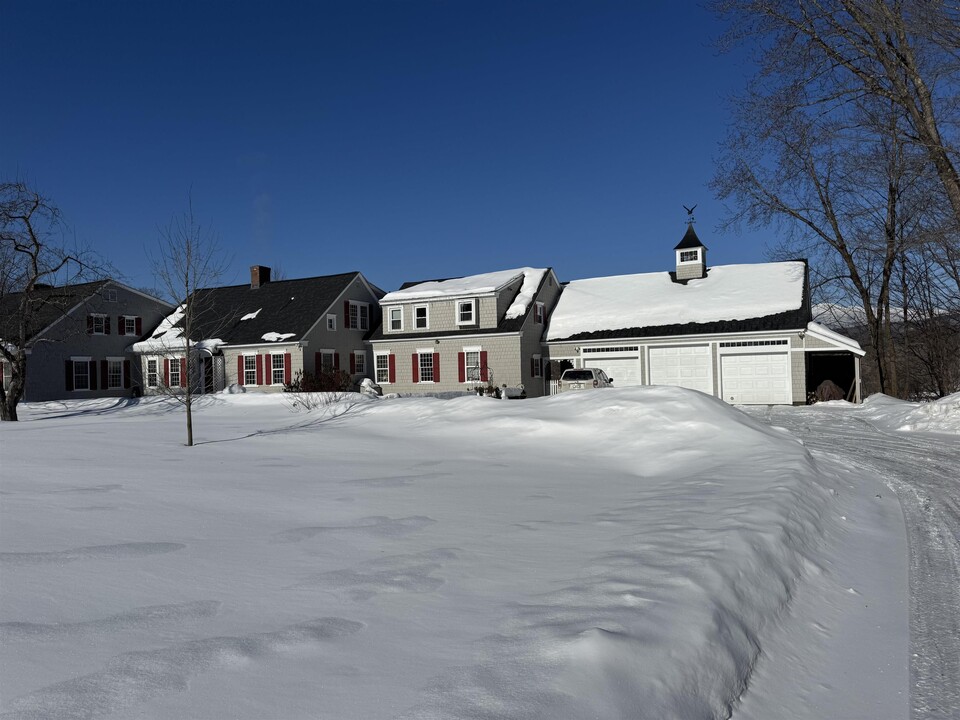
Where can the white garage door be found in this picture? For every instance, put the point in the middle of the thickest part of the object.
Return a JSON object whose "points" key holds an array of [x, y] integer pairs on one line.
{"points": [[688, 366], [755, 378], [624, 371]]}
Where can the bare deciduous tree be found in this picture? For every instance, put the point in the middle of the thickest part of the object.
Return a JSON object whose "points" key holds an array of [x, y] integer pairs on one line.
{"points": [[846, 139], [34, 257], [188, 259]]}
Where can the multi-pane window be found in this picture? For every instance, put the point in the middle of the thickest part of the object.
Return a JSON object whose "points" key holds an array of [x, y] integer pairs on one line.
{"points": [[276, 364], [536, 366], [326, 360], [152, 373], [689, 255], [383, 368], [421, 320], [331, 322], [114, 373], [426, 367], [249, 369], [129, 325], [173, 379], [359, 363], [359, 316], [538, 312], [81, 375], [396, 318], [110, 295], [98, 324], [466, 311], [472, 362]]}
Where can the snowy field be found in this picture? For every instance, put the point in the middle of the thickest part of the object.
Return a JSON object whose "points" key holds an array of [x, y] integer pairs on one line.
{"points": [[643, 553]]}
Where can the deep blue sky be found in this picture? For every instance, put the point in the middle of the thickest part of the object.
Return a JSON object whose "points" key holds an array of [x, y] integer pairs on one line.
{"points": [[406, 139]]}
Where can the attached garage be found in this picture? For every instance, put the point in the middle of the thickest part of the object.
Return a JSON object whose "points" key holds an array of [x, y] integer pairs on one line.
{"points": [[625, 371], [688, 366], [756, 378]]}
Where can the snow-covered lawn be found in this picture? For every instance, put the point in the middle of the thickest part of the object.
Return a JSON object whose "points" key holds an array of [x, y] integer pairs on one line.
{"points": [[646, 552]]}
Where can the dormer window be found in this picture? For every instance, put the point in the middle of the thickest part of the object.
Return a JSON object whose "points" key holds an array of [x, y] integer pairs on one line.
{"points": [[421, 317], [689, 256], [396, 318], [466, 312]]}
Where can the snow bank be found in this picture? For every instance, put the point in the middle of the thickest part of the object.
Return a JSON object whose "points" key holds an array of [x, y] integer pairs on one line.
{"points": [[938, 416], [605, 554]]}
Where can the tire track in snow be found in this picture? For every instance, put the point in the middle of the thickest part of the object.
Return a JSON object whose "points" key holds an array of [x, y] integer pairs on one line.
{"points": [[923, 472]]}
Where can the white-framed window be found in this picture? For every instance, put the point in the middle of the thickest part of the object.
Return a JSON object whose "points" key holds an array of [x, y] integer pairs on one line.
{"points": [[382, 363], [98, 324], [466, 312], [129, 325], [421, 317], [536, 366], [689, 256], [173, 379], [110, 295], [81, 374], [114, 373], [396, 318], [471, 362], [359, 316], [425, 365], [249, 369], [276, 369], [359, 363], [331, 322], [152, 372], [539, 310]]}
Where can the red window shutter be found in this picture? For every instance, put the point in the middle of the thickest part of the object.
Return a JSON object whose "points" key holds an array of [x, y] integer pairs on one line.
{"points": [[139, 326], [68, 375], [416, 368], [287, 363], [239, 369], [166, 372], [336, 361], [353, 364], [93, 374], [104, 376], [126, 374], [533, 368], [436, 367], [259, 369], [121, 325], [392, 369], [484, 375], [462, 362], [317, 363], [89, 324], [106, 324], [183, 372], [346, 313]]}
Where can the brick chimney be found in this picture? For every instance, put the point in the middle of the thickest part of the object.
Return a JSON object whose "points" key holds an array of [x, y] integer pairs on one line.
{"points": [[259, 275]]}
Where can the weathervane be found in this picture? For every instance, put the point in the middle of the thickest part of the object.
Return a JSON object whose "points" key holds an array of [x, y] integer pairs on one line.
{"points": [[690, 210]]}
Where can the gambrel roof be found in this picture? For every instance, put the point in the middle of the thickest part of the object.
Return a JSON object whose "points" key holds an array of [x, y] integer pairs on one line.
{"points": [[276, 311], [731, 298]]}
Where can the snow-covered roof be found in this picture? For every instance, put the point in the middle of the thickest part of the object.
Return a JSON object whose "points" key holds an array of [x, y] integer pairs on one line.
{"points": [[483, 284], [825, 333], [729, 292], [167, 336]]}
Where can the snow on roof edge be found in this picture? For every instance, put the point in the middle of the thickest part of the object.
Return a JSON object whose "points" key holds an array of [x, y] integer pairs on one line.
{"points": [[826, 333]]}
